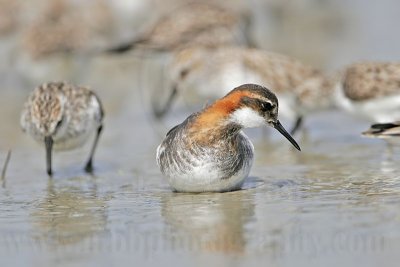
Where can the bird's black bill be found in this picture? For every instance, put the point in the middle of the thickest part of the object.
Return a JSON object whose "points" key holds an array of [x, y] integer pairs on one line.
{"points": [[277, 125], [48, 141]]}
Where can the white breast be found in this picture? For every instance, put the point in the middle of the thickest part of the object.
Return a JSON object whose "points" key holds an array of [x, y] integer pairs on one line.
{"points": [[202, 172]]}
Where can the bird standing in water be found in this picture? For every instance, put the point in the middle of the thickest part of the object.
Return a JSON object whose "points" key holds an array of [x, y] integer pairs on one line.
{"points": [[209, 151], [63, 116]]}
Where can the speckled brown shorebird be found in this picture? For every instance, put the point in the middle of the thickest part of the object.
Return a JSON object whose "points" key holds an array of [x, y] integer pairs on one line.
{"points": [[371, 90], [195, 23], [66, 26], [63, 116]]}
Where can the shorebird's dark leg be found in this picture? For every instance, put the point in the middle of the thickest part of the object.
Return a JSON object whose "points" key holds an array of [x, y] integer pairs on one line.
{"points": [[297, 125], [4, 171], [160, 112], [89, 164], [48, 141]]}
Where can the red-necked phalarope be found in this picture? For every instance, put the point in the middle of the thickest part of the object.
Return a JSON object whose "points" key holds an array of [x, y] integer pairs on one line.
{"points": [[208, 151]]}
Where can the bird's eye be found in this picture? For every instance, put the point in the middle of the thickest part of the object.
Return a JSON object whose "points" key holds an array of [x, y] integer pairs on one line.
{"points": [[266, 106]]}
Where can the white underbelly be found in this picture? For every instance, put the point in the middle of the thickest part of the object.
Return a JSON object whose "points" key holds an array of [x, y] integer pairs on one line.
{"points": [[383, 109], [72, 142], [206, 178]]}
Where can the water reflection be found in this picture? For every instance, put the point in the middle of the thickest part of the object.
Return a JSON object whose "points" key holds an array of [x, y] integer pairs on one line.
{"points": [[209, 222], [69, 214]]}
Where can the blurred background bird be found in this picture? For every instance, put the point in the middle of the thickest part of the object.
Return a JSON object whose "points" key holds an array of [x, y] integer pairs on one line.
{"points": [[371, 90], [192, 24], [205, 74]]}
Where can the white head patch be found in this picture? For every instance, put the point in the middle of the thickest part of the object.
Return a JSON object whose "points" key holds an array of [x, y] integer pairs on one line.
{"points": [[247, 118]]}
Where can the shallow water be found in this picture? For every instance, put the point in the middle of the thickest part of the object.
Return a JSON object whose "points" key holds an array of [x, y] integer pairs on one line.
{"points": [[334, 203]]}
